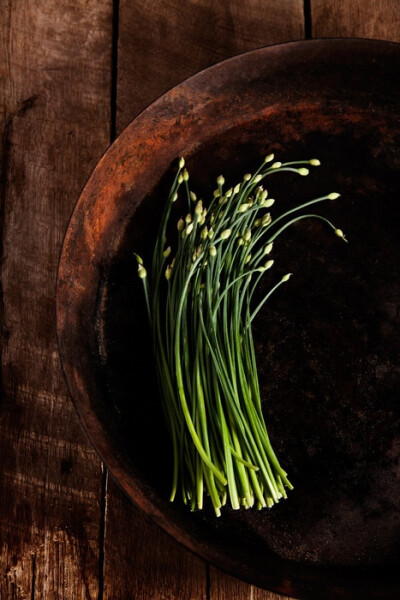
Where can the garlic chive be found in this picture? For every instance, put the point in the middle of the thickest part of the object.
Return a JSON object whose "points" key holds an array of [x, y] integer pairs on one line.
{"points": [[200, 308]]}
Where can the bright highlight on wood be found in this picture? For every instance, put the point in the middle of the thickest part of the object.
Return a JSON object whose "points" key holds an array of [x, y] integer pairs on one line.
{"points": [[200, 308]]}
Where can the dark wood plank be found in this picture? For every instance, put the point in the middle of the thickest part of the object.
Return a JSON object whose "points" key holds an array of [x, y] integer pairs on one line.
{"points": [[224, 587], [55, 101], [142, 561], [379, 19], [160, 44]]}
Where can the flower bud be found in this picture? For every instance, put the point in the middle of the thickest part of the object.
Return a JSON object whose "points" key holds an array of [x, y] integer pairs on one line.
{"points": [[185, 175], [142, 273], [167, 252], [333, 196], [180, 225], [268, 158], [247, 235], [286, 277], [193, 196], [204, 233], [220, 180], [268, 248], [189, 229], [268, 203], [268, 264], [225, 234], [213, 251], [303, 171], [314, 162], [181, 162], [339, 233], [276, 165], [266, 220], [139, 259], [168, 272]]}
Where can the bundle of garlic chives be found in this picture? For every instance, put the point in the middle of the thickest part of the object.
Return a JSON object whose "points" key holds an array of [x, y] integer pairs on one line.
{"points": [[200, 309]]}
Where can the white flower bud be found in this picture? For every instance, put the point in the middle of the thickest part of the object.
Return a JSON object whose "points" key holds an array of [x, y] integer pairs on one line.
{"points": [[286, 277], [199, 208], [139, 259], [268, 248], [266, 220], [303, 171], [181, 162], [188, 218], [247, 235], [314, 162], [236, 189], [276, 165], [247, 259], [180, 225], [213, 251], [185, 175], [257, 178], [220, 180], [247, 177], [268, 158], [243, 207], [189, 229], [333, 196], [339, 233], [268, 264], [142, 273], [225, 234], [268, 203], [193, 197]]}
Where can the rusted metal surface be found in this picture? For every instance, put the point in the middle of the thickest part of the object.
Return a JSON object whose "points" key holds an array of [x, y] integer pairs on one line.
{"points": [[328, 348]]}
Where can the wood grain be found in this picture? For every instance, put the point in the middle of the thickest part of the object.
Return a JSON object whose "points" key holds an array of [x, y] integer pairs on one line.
{"points": [[142, 562], [55, 76], [379, 19], [160, 44], [224, 587]]}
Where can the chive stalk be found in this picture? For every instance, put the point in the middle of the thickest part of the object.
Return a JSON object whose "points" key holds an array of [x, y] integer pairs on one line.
{"points": [[199, 299]]}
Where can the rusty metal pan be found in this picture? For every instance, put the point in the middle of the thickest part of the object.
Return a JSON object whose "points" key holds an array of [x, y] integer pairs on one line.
{"points": [[328, 346]]}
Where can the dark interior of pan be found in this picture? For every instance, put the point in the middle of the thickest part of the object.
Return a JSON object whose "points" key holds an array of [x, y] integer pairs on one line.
{"points": [[328, 344]]}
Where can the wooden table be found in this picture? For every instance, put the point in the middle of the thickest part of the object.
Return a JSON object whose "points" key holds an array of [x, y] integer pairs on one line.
{"points": [[73, 73]]}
